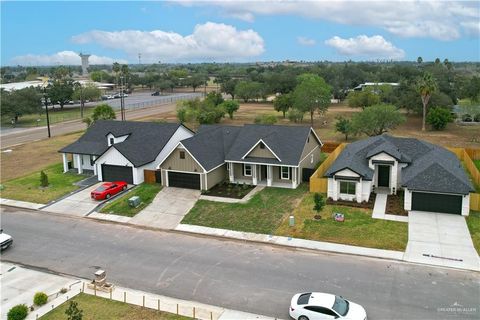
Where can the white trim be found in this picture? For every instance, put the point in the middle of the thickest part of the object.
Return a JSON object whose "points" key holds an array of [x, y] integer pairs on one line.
{"points": [[183, 171], [251, 170], [180, 144], [263, 164], [217, 167], [281, 173], [308, 154], [347, 181], [315, 134], [266, 145], [434, 192]]}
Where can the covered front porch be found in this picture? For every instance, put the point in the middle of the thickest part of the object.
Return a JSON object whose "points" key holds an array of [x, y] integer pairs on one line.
{"points": [[79, 163], [263, 175]]}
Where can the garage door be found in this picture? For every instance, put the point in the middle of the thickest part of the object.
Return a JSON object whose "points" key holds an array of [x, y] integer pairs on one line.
{"points": [[435, 202], [184, 180], [117, 173]]}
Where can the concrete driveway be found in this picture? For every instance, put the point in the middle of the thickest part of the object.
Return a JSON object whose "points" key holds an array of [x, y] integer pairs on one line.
{"points": [[168, 208], [440, 239], [77, 204]]}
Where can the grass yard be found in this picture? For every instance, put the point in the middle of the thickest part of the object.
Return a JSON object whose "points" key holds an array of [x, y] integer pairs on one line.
{"points": [[262, 214], [55, 116], [358, 229], [477, 163], [33, 156], [146, 192], [473, 222], [28, 188], [105, 309]]}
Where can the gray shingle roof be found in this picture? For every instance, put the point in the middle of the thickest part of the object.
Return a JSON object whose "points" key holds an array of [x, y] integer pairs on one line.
{"points": [[214, 144], [430, 167], [145, 139]]}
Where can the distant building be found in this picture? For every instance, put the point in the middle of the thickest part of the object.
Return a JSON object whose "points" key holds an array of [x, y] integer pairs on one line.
{"points": [[85, 65], [362, 86]]}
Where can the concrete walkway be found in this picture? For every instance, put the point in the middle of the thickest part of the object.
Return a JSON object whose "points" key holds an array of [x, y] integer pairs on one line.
{"points": [[293, 242], [380, 208], [167, 209], [440, 239]]}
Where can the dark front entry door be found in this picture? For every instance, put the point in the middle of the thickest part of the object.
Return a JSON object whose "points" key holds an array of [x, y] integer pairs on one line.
{"points": [[264, 173], [384, 176]]}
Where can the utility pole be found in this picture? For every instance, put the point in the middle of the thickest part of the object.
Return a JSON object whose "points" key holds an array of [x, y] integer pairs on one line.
{"points": [[45, 99], [122, 101]]}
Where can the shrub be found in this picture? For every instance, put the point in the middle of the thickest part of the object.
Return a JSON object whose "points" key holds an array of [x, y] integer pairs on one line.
{"points": [[467, 118], [477, 117], [40, 298], [73, 313], [295, 115], [265, 119], [18, 312], [43, 179], [438, 118], [319, 202], [63, 290]]}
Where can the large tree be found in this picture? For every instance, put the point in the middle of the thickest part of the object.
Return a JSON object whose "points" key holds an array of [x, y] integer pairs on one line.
{"points": [[16, 103], [377, 119], [60, 92], [248, 90], [230, 106], [362, 99], [84, 93], [311, 94], [283, 103], [426, 86], [228, 87]]}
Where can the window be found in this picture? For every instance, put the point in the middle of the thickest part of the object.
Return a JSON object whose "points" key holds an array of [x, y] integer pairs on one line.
{"points": [[285, 173], [262, 146], [182, 154], [303, 298], [247, 170], [81, 159], [308, 139], [348, 187], [112, 141], [340, 305], [92, 160], [322, 310], [311, 158]]}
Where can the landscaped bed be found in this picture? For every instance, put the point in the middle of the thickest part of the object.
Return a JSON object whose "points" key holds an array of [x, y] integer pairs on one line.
{"points": [[120, 206], [28, 188], [229, 190], [365, 204], [358, 229], [105, 309], [395, 204], [473, 222], [262, 214]]}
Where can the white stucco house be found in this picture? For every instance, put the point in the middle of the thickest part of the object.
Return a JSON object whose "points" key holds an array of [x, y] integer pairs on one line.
{"points": [[122, 150], [431, 177]]}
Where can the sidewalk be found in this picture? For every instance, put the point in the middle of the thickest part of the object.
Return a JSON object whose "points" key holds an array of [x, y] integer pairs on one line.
{"points": [[21, 204], [293, 242]]}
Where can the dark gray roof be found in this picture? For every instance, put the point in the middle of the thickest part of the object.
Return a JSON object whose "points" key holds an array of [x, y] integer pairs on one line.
{"points": [[214, 144], [145, 139], [287, 142], [210, 144], [430, 167]]}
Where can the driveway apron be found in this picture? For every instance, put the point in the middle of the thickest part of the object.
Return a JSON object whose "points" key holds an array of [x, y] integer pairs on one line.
{"points": [[168, 208], [440, 239]]}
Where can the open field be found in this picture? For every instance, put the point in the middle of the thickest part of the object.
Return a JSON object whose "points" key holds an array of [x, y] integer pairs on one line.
{"points": [[33, 156], [105, 309]]}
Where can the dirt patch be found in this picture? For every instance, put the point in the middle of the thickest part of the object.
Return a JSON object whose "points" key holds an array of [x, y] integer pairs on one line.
{"points": [[395, 204]]}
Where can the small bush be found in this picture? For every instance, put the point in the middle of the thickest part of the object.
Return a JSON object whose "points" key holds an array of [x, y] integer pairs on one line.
{"points": [[438, 118], [40, 298], [18, 312], [477, 117], [295, 115], [467, 118], [265, 119], [63, 290], [319, 202], [43, 179], [73, 312]]}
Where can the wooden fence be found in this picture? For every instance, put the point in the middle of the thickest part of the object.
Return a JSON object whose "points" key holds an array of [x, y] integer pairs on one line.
{"points": [[317, 182], [466, 155], [329, 147]]}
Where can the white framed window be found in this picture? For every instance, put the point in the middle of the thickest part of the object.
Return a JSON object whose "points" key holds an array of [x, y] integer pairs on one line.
{"points": [[112, 141], [247, 170], [285, 173], [182, 154], [348, 187]]}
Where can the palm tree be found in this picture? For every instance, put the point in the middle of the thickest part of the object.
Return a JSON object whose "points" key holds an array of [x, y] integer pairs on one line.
{"points": [[426, 85]]}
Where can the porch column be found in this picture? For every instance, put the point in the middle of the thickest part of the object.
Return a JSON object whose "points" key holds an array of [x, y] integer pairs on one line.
{"points": [[231, 171], [79, 163], [269, 175], [65, 162], [294, 177], [94, 166], [254, 174]]}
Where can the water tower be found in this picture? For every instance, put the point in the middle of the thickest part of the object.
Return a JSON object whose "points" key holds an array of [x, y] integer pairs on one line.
{"points": [[84, 63]]}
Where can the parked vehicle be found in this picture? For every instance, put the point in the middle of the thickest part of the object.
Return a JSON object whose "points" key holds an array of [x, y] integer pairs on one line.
{"points": [[5, 240], [108, 189], [156, 93], [317, 305]]}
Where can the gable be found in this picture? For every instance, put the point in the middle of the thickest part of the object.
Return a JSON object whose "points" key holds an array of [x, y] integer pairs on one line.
{"points": [[258, 152], [310, 144], [174, 162], [347, 173], [113, 156]]}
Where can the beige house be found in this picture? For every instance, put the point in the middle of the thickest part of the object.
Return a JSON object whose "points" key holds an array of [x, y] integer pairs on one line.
{"points": [[279, 156]]}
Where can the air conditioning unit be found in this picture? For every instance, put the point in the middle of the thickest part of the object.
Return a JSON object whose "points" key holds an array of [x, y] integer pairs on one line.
{"points": [[134, 201]]}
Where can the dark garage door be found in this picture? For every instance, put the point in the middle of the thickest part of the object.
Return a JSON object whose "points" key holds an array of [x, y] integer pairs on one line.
{"points": [[436, 202], [184, 180], [117, 173]]}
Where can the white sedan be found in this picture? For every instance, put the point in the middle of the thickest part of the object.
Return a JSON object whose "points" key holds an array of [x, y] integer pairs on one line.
{"points": [[317, 305]]}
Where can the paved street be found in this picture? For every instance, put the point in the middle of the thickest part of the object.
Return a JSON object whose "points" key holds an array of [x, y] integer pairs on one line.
{"points": [[244, 276]]}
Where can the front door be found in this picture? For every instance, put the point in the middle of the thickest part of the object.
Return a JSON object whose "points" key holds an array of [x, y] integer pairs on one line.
{"points": [[264, 172], [384, 176]]}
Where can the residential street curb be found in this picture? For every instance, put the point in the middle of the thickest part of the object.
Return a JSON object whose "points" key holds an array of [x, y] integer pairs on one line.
{"points": [[21, 204]]}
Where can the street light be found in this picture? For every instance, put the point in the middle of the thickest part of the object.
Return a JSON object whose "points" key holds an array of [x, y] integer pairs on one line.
{"points": [[45, 99]]}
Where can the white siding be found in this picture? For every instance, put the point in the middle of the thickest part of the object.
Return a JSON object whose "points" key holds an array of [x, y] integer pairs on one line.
{"points": [[114, 157], [347, 173], [407, 201], [179, 135], [394, 170], [116, 139], [362, 190]]}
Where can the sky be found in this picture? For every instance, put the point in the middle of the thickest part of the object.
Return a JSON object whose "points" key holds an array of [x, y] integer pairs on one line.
{"points": [[53, 33]]}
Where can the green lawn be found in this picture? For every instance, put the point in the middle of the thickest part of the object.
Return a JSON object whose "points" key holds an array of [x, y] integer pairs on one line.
{"points": [[358, 229], [105, 309], [55, 116], [473, 222], [262, 214], [146, 192], [477, 164], [28, 188]]}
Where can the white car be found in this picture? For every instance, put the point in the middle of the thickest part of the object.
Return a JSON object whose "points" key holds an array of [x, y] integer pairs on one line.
{"points": [[317, 305], [5, 240]]}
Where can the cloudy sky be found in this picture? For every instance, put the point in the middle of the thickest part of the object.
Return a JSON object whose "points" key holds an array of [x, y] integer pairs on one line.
{"points": [[52, 33]]}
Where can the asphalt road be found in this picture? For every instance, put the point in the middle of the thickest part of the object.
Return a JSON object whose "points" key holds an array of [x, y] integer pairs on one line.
{"points": [[32, 134], [244, 276]]}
